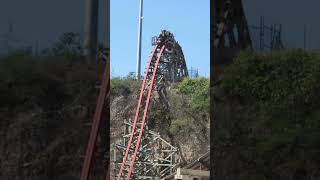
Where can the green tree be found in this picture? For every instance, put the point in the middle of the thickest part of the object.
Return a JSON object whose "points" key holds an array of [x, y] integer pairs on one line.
{"points": [[266, 122], [69, 44]]}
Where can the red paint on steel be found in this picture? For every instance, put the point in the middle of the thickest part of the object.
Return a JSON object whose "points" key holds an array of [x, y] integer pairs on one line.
{"points": [[108, 172], [108, 93], [137, 115], [144, 115], [96, 123]]}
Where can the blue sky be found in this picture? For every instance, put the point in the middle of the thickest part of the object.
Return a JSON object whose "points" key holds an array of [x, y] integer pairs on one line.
{"points": [[188, 20], [44, 21]]}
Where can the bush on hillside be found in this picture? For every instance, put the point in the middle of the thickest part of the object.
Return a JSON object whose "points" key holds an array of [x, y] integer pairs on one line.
{"points": [[270, 114]]}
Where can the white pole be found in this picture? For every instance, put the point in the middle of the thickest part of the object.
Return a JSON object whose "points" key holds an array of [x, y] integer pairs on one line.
{"points": [[304, 36], [91, 28], [138, 70]]}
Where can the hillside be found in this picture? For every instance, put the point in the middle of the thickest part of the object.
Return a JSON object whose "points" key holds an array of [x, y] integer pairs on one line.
{"points": [[45, 103], [266, 122], [184, 123]]}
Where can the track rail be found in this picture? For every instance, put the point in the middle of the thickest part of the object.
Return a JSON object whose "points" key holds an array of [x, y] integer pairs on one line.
{"points": [[144, 115], [142, 90], [166, 63], [145, 94], [104, 90]]}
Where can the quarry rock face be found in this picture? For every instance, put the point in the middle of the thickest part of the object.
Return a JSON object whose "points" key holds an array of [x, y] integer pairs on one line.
{"points": [[190, 144], [44, 117]]}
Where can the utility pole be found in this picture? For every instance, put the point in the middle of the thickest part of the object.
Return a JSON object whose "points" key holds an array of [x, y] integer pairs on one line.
{"points": [[36, 48], [304, 36], [9, 37], [261, 33], [106, 39], [91, 29], [90, 52], [138, 70]]}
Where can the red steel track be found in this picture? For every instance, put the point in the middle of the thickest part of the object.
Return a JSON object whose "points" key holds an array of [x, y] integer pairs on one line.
{"points": [[162, 64], [96, 121], [151, 68]]}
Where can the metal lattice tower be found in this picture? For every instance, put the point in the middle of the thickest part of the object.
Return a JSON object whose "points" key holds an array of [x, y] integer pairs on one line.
{"points": [[231, 32], [144, 154], [231, 27], [267, 37], [172, 65]]}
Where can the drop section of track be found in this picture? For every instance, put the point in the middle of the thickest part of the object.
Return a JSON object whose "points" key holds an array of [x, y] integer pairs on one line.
{"points": [[127, 166]]}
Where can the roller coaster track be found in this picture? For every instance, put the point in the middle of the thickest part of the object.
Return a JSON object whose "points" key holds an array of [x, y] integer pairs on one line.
{"points": [[166, 63], [152, 68], [96, 123]]}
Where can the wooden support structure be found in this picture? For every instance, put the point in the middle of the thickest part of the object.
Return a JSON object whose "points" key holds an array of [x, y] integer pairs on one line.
{"points": [[190, 174]]}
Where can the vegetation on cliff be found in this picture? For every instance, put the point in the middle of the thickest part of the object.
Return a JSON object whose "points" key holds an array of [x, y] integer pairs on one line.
{"points": [[182, 117], [267, 117], [45, 102]]}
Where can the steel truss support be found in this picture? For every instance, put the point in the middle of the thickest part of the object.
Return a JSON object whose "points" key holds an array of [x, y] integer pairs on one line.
{"points": [[172, 66], [231, 27], [230, 32], [141, 159]]}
